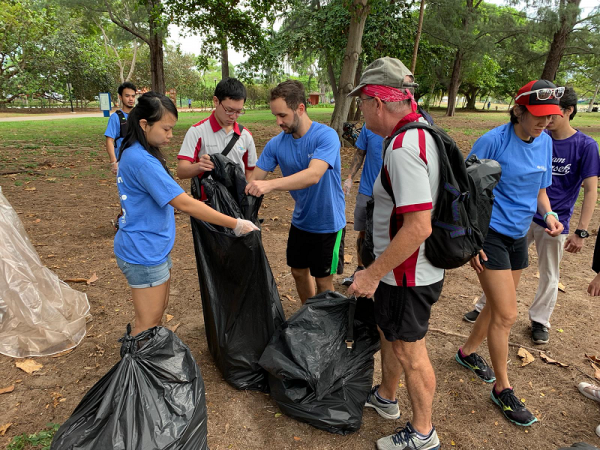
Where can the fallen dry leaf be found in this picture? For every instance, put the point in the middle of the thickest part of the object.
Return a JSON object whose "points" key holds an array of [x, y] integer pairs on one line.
{"points": [[93, 278], [525, 356], [348, 259], [76, 280], [7, 390], [296, 438], [549, 360], [593, 358], [561, 287], [30, 189], [289, 298], [38, 220], [28, 365], [596, 371], [66, 352], [275, 218], [169, 317], [174, 327], [4, 428]]}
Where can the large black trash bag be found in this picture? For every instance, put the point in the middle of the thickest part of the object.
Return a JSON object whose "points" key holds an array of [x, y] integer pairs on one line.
{"points": [[152, 399], [313, 376], [240, 301]]}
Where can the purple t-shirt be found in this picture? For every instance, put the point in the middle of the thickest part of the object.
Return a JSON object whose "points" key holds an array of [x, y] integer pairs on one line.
{"points": [[573, 160]]}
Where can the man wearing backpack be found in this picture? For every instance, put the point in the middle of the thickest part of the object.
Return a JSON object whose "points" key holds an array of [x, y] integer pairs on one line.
{"points": [[575, 161], [219, 133], [402, 281], [117, 123]]}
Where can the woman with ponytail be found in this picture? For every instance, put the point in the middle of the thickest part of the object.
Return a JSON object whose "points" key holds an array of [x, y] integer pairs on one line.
{"points": [[148, 194]]}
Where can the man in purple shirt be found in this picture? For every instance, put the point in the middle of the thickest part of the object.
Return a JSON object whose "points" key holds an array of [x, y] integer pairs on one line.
{"points": [[575, 161]]}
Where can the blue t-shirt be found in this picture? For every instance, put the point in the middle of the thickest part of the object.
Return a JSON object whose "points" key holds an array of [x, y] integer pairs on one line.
{"points": [[372, 144], [113, 130], [573, 160], [147, 227], [321, 207], [526, 168]]}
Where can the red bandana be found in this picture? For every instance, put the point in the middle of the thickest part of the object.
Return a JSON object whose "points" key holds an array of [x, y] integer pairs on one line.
{"points": [[390, 94]]}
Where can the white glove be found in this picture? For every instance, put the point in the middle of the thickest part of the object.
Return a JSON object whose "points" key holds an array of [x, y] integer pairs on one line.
{"points": [[244, 226], [347, 186]]}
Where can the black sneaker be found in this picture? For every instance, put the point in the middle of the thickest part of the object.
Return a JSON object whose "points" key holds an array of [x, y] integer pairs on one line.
{"points": [[349, 280], [539, 333], [477, 365], [472, 316], [512, 408]]}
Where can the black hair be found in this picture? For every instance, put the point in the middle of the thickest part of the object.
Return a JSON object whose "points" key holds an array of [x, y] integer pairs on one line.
{"points": [[126, 85], [230, 88], [292, 92], [514, 119], [151, 106], [569, 98]]}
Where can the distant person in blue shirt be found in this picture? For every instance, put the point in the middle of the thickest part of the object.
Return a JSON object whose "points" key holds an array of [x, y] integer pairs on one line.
{"points": [[117, 123], [148, 194], [369, 148], [524, 152], [308, 154]]}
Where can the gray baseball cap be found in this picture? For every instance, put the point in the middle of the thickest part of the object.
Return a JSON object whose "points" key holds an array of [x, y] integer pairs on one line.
{"points": [[386, 72]]}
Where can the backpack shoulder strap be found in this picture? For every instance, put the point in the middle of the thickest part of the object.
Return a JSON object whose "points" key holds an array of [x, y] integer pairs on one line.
{"points": [[122, 122], [232, 141]]}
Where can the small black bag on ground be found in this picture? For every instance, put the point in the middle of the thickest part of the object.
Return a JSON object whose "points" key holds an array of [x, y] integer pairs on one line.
{"points": [[313, 376], [240, 301], [152, 399]]}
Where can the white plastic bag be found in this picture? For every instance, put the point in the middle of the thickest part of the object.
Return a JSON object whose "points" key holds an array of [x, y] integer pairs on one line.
{"points": [[40, 315]]}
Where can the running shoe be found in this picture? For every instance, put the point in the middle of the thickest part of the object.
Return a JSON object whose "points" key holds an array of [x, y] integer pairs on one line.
{"points": [[477, 365], [471, 316], [539, 333], [407, 438], [385, 408], [512, 408], [590, 390]]}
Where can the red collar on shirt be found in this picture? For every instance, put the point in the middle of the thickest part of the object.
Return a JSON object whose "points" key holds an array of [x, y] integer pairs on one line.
{"points": [[410, 117], [214, 123]]}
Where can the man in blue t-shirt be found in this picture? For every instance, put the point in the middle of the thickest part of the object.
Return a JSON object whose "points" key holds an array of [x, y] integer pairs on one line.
{"points": [[368, 149], [575, 161], [308, 154], [115, 130]]}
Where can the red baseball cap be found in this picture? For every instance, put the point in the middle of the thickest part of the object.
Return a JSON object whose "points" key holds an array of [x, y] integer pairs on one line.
{"points": [[529, 96]]}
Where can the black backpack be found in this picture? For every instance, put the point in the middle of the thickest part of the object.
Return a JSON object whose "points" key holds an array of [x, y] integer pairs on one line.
{"points": [[122, 123], [461, 218]]}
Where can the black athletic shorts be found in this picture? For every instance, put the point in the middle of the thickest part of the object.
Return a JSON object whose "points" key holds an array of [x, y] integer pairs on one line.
{"points": [[322, 253], [505, 253], [403, 313]]}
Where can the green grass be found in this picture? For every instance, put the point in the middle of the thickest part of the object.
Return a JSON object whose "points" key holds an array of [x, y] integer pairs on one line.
{"points": [[37, 441]]}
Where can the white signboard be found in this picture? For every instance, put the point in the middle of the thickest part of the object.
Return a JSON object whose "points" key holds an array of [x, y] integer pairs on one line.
{"points": [[104, 101]]}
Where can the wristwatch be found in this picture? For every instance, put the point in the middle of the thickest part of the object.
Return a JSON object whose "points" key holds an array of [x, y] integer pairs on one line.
{"points": [[582, 233]]}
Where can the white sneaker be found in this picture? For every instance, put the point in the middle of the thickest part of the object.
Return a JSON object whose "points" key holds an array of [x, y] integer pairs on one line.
{"points": [[590, 391]]}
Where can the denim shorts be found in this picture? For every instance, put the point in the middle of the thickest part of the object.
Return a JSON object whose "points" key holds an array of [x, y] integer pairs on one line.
{"points": [[140, 277]]}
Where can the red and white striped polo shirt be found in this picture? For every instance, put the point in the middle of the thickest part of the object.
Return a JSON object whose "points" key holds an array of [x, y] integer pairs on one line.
{"points": [[207, 137], [412, 166]]}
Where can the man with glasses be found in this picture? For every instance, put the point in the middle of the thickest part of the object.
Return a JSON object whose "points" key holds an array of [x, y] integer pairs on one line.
{"points": [[575, 161], [213, 134], [308, 154], [401, 280]]}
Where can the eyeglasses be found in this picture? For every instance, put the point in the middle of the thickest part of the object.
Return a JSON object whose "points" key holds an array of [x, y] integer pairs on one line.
{"points": [[545, 94], [360, 101], [232, 112]]}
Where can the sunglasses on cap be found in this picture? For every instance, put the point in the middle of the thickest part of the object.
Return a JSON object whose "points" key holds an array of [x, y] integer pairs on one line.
{"points": [[545, 93]]}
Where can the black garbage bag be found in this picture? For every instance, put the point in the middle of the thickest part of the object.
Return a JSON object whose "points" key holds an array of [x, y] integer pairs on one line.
{"points": [[313, 376], [152, 399], [240, 301]]}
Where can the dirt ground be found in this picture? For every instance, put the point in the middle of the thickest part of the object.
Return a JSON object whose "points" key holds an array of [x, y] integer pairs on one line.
{"points": [[68, 220]]}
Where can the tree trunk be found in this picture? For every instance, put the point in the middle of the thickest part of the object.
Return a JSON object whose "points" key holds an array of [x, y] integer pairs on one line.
{"points": [[471, 97], [454, 83], [157, 70], [568, 12], [417, 38], [224, 59], [354, 113], [359, 10], [594, 98]]}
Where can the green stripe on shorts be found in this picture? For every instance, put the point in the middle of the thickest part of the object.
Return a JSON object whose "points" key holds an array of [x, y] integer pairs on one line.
{"points": [[336, 252]]}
